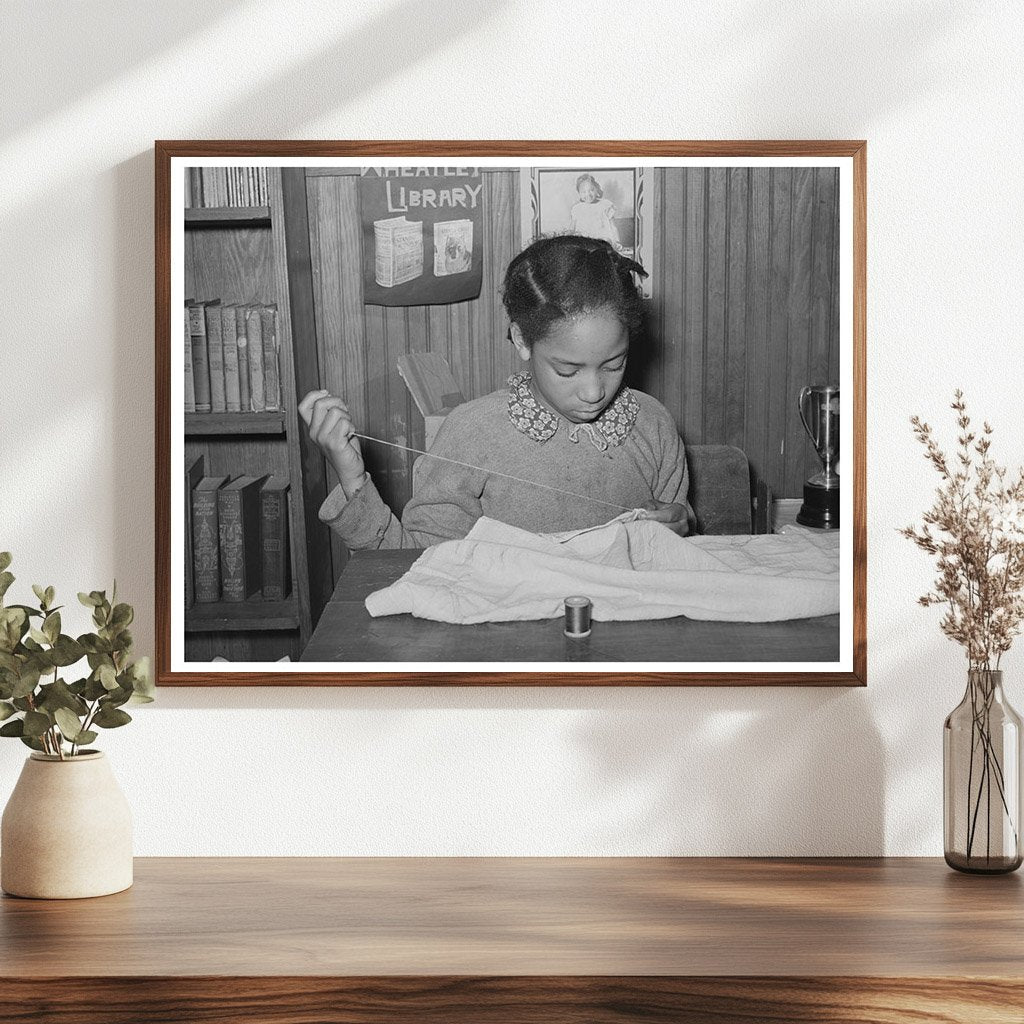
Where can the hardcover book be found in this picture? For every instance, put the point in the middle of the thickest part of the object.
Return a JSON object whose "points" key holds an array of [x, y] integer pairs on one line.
{"points": [[453, 247], [274, 539], [271, 374], [200, 353], [215, 350], [232, 385], [190, 387], [254, 336], [205, 538], [399, 251], [241, 564], [193, 474]]}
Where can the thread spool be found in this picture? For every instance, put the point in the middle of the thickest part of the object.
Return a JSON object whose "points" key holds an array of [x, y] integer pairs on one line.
{"points": [[577, 617]]}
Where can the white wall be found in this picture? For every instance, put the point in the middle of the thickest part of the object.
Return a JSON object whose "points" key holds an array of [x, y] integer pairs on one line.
{"points": [[936, 88]]}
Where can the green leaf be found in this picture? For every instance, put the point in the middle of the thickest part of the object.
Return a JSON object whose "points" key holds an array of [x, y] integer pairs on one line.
{"points": [[15, 728], [36, 723], [6, 579], [50, 595], [59, 695], [67, 651], [38, 635], [122, 616], [27, 681], [5, 560], [94, 689], [107, 676], [111, 718], [69, 724], [40, 593], [31, 741], [94, 644], [51, 626], [89, 600], [86, 736], [29, 611], [13, 624], [115, 698], [6, 710]]}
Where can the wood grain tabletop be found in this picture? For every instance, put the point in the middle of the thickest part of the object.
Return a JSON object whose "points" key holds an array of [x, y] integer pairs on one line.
{"points": [[525, 916], [523, 941]]}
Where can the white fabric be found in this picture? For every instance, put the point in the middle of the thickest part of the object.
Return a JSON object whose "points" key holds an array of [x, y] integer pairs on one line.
{"points": [[628, 569]]}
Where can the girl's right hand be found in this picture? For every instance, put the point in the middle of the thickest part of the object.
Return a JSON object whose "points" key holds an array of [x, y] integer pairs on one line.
{"points": [[331, 429]]}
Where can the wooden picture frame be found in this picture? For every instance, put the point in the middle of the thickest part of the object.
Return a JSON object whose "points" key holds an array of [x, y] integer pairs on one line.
{"points": [[275, 239]]}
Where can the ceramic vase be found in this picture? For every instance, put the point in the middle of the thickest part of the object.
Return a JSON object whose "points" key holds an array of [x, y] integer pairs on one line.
{"points": [[66, 831]]}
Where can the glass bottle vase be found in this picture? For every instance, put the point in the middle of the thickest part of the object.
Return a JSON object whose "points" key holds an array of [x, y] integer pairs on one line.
{"points": [[981, 773]]}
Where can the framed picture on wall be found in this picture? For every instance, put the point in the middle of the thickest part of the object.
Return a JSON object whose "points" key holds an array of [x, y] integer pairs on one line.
{"points": [[605, 202], [491, 413]]}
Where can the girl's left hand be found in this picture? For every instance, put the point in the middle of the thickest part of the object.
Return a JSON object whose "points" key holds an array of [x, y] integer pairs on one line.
{"points": [[669, 513]]}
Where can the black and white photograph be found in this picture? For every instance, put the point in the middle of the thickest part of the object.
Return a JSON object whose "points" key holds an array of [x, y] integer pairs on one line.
{"points": [[601, 202], [570, 417]]}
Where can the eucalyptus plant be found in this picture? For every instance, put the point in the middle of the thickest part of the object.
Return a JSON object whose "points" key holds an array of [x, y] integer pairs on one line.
{"points": [[37, 704]]}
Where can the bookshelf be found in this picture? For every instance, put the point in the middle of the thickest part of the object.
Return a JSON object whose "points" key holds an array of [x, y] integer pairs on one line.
{"points": [[255, 255]]}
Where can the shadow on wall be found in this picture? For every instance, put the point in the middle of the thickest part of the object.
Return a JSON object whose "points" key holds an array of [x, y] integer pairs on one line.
{"points": [[740, 771], [101, 41], [398, 37]]}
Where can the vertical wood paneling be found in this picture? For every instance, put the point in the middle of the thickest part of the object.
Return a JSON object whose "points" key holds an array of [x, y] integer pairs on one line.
{"points": [[781, 262], [735, 384], [336, 254], [715, 340], [673, 295], [823, 324], [797, 466], [757, 442], [375, 455], [691, 385], [744, 313]]}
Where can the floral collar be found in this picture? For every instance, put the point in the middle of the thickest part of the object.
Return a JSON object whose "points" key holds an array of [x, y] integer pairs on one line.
{"points": [[528, 416]]}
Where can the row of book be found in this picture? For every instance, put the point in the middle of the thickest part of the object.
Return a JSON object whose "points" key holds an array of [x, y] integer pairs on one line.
{"points": [[231, 358], [236, 537], [226, 186]]}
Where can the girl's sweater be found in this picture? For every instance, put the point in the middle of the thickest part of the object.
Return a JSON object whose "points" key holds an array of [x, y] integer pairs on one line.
{"points": [[630, 455]]}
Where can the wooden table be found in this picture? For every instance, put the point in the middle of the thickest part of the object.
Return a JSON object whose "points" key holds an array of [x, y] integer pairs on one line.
{"points": [[347, 633], [503, 941]]}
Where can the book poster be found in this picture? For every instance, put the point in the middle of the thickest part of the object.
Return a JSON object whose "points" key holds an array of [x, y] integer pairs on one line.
{"points": [[422, 234]]}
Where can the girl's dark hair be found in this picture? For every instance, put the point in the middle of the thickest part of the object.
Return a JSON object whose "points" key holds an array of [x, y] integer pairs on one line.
{"points": [[566, 275]]}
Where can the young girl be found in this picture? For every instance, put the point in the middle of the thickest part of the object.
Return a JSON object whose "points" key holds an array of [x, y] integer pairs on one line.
{"points": [[565, 421], [594, 215]]}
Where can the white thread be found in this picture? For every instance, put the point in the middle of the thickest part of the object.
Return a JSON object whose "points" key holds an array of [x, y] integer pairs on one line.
{"points": [[493, 472]]}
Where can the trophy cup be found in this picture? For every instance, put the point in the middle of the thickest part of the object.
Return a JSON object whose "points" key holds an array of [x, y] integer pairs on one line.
{"points": [[819, 410]]}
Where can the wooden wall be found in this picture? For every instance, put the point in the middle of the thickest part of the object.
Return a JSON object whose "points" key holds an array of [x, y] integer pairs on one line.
{"points": [[745, 312]]}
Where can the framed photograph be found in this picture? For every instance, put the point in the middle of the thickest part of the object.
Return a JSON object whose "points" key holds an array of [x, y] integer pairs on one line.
{"points": [[606, 202], [492, 413]]}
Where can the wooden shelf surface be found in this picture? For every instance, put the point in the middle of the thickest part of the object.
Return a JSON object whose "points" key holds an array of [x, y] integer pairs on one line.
{"points": [[227, 216], [237, 616], [498, 940], [209, 424]]}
